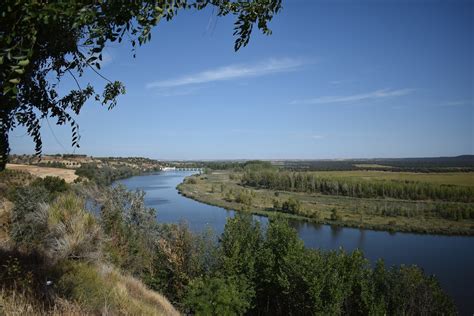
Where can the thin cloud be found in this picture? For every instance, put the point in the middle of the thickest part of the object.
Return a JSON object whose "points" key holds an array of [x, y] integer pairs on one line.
{"points": [[176, 92], [235, 71], [457, 103], [317, 136], [374, 95]]}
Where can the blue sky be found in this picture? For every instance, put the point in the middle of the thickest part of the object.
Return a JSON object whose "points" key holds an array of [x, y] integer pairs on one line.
{"points": [[337, 79]]}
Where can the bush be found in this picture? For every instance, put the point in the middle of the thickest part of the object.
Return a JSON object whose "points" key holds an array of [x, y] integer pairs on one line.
{"points": [[191, 180], [276, 205], [315, 215], [291, 206], [27, 229], [54, 185], [335, 216], [244, 197], [131, 229], [82, 283], [73, 232]]}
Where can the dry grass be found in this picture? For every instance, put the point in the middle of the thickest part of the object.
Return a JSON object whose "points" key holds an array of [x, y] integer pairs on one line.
{"points": [[5, 210], [14, 303], [120, 294], [74, 234], [73, 231], [137, 299], [67, 174], [125, 296]]}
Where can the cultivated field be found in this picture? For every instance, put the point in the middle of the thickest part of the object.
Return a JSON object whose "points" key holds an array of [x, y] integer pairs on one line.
{"points": [[448, 178], [68, 175]]}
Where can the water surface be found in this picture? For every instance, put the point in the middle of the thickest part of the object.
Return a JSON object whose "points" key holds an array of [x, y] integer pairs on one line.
{"points": [[450, 258]]}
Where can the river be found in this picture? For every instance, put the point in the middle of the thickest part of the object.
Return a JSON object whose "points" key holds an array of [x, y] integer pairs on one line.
{"points": [[450, 258]]}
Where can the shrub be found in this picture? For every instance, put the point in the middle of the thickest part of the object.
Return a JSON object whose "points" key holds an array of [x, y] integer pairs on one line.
{"points": [[72, 231], [26, 228], [291, 206], [244, 197], [335, 216], [54, 185], [276, 205], [82, 283], [191, 180], [131, 229], [315, 214]]}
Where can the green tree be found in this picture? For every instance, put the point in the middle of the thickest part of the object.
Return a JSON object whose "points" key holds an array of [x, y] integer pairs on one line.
{"points": [[240, 244], [50, 39], [217, 296]]}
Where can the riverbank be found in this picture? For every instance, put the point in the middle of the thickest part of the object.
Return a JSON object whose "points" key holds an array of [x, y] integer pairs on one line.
{"points": [[223, 188]]}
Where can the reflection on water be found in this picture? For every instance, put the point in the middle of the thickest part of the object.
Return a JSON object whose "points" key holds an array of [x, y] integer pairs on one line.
{"points": [[335, 232], [451, 259], [360, 243]]}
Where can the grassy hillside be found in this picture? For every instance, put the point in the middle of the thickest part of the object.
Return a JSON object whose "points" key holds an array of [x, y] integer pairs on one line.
{"points": [[53, 258]]}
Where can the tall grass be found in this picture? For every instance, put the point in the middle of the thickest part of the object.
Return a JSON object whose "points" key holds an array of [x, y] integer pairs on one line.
{"points": [[73, 232]]}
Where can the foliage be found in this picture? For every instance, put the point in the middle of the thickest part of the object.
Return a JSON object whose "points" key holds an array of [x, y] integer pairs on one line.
{"points": [[244, 197], [191, 180], [130, 227], [54, 185], [406, 290], [249, 269], [217, 296], [335, 216], [292, 205], [312, 183], [41, 39], [253, 165], [105, 175], [25, 228], [12, 179], [82, 283], [62, 229], [290, 279], [73, 232], [181, 256]]}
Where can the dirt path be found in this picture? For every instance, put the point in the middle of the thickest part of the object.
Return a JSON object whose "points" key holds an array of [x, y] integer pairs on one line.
{"points": [[67, 174]]}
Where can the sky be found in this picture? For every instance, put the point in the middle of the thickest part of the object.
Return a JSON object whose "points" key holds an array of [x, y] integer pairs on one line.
{"points": [[336, 79]]}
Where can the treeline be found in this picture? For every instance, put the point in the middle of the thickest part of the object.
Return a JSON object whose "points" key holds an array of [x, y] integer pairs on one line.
{"points": [[222, 165], [105, 175], [252, 270], [309, 182], [52, 164]]}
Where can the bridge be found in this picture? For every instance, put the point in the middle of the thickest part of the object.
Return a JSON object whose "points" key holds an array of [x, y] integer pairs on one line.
{"points": [[181, 169]]}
